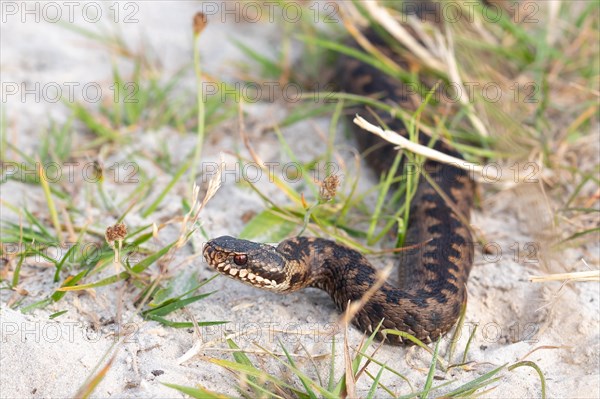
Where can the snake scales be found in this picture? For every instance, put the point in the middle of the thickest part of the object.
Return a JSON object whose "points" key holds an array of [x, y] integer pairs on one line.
{"points": [[432, 278]]}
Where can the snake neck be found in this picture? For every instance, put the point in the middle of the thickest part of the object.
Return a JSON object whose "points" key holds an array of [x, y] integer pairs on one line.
{"points": [[318, 262], [343, 273]]}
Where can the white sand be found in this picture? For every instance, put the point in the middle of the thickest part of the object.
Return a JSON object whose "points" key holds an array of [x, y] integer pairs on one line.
{"points": [[52, 358]]}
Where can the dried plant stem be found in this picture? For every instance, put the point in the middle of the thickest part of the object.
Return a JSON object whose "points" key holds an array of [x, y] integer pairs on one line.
{"points": [[416, 148], [381, 15], [593, 275]]}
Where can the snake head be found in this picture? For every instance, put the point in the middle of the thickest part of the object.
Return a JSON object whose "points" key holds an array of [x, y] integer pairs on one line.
{"points": [[259, 265]]}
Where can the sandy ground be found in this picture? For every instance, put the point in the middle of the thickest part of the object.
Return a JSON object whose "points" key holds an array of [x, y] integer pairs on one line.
{"points": [[557, 328]]}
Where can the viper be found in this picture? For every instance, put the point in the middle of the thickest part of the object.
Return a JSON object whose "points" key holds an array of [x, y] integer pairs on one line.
{"points": [[429, 295]]}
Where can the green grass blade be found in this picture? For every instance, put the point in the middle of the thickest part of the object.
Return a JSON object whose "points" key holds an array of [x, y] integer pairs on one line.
{"points": [[464, 358], [373, 390], [184, 324], [146, 262], [57, 314], [341, 385], [580, 234], [17, 272], [306, 382], [61, 263], [252, 371], [101, 283], [165, 310], [457, 332], [199, 393], [91, 122], [477, 383], [270, 68], [267, 226], [50, 201], [431, 373], [69, 282], [331, 382], [38, 224], [527, 363], [381, 198], [352, 52], [184, 167], [36, 305]]}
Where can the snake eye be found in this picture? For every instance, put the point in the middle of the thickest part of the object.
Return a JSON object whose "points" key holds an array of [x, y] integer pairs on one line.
{"points": [[240, 260]]}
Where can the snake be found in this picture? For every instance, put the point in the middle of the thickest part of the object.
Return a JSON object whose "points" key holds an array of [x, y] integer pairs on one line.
{"points": [[431, 290]]}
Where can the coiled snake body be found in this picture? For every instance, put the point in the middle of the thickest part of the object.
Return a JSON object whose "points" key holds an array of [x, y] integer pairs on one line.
{"points": [[432, 278]]}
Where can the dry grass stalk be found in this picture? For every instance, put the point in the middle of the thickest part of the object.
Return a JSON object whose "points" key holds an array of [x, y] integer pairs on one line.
{"points": [[381, 15], [416, 148], [593, 275]]}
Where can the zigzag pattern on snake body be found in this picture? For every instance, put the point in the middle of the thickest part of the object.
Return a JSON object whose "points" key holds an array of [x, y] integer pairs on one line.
{"points": [[432, 288]]}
